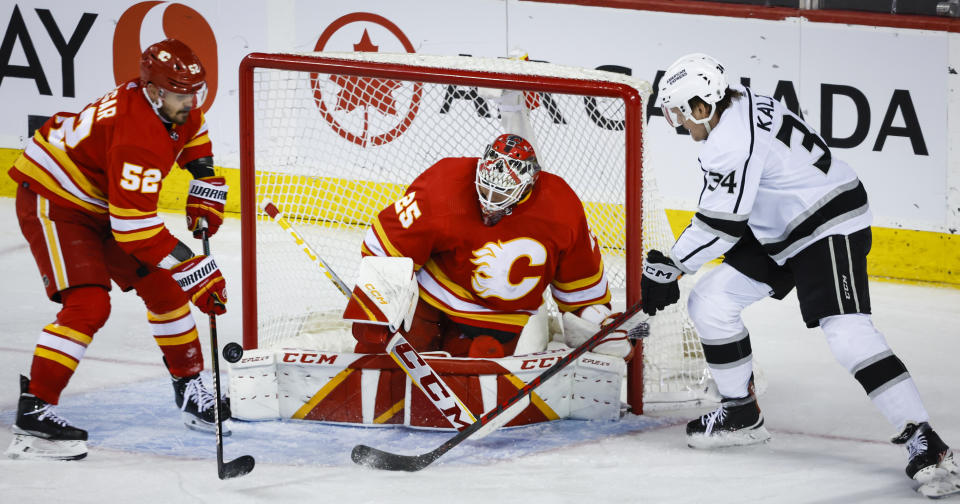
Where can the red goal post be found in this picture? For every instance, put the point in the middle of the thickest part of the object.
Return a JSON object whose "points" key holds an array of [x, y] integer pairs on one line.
{"points": [[331, 163]]}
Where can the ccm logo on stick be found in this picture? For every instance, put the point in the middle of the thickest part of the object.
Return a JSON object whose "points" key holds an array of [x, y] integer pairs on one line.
{"points": [[431, 385]]}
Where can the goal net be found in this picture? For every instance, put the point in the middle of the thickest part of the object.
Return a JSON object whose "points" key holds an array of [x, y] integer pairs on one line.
{"points": [[334, 138]]}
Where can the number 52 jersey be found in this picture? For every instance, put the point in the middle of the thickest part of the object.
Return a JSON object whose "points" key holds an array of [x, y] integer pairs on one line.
{"points": [[109, 160], [491, 276], [764, 167]]}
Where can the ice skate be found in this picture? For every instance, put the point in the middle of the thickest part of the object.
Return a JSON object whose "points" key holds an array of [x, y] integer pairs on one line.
{"points": [[39, 433], [737, 422], [932, 463], [196, 405]]}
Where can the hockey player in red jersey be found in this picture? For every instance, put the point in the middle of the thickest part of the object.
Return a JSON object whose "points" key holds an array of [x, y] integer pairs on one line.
{"points": [[487, 237], [88, 185]]}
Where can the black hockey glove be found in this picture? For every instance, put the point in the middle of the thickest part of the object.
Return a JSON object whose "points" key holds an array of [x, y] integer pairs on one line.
{"points": [[658, 287]]}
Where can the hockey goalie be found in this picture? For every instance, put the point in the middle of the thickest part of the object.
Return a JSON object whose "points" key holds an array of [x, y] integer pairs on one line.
{"points": [[463, 270]]}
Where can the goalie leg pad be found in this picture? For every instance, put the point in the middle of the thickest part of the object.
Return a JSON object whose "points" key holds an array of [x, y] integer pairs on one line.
{"points": [[596, 386], [254, 386]]}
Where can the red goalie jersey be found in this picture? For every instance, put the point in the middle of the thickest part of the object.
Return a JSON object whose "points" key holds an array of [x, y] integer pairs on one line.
{"points": [[110, 159], [491, 276]]}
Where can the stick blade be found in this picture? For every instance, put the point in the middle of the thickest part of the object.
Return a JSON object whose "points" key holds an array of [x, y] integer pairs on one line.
{"points": [[378, 459], [237, 467]]}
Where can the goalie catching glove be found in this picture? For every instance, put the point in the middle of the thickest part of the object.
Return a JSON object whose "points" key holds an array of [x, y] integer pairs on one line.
{"points": [[205, 200], [658, 287], [201, 279], [580, 328]]}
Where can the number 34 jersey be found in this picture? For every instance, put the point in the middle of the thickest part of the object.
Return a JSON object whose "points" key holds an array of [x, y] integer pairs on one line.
{"points": [[109, 160], [491, 276], [766, 168]]}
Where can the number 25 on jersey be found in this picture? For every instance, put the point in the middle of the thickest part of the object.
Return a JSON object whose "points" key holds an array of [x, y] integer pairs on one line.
{"points": [[407, 209]]}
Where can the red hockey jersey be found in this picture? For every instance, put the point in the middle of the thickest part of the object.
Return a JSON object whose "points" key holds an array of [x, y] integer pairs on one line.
{"points": [[111, 159], [491, 276]]}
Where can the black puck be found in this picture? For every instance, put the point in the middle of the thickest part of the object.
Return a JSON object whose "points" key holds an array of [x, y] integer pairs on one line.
{"points": [[232, 352]]}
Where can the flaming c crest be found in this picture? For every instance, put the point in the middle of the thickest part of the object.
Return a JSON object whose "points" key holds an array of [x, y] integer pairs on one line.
{"points": [[491, 277]]}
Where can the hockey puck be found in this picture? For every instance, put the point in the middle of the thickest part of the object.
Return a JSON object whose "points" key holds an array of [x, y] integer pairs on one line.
{"points": [[232, 352]]}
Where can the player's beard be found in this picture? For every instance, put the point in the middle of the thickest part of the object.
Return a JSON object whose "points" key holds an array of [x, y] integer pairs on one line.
{"points": [[178, 117]]}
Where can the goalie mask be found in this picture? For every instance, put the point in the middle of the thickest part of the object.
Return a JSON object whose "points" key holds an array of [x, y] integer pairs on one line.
{"points": [[505, 173], [178, 74], [692, 75]]}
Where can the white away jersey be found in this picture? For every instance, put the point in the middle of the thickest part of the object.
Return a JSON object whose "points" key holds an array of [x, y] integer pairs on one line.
{"points": [[766, 168]]}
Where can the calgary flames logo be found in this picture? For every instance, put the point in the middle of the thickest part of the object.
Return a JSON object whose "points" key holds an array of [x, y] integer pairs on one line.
{"points": [[364, 110], [494, 260]]}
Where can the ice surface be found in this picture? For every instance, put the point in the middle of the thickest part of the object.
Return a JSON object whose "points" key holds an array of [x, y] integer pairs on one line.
{"points": [[829, 443]]}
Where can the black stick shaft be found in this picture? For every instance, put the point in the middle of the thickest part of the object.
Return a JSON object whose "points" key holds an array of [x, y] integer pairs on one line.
{"points": [[216, 371], [243, 464]]}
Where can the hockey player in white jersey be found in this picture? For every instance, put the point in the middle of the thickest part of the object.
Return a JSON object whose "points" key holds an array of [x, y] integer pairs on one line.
{"points": [[785, 213]]}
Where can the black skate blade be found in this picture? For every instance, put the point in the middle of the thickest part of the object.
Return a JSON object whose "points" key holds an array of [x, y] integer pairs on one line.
{"points": [[378, 459], [237, 467]]}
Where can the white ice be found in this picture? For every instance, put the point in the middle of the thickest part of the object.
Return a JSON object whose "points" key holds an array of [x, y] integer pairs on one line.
{"points": [[829, 444]]}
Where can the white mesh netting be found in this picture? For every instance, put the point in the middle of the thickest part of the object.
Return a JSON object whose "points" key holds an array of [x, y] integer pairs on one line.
{"points": [[332, 149]]}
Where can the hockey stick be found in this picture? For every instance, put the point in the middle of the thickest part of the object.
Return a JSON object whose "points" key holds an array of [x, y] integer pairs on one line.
{"points": [[406, 357], [271, 209], [243, 464], [379, 459]]}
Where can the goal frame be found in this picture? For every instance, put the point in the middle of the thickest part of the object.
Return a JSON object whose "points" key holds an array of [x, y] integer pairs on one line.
{"points": [[316, 62]]}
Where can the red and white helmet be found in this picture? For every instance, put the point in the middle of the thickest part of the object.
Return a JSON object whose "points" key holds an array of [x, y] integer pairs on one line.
{"points": [[691, 75], [173, 67], [507, 170]]}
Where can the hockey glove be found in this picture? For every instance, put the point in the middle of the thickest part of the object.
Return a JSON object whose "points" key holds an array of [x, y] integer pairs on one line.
{"points": [[201, 279], [205, 200], [582, 325], [658, 287]]}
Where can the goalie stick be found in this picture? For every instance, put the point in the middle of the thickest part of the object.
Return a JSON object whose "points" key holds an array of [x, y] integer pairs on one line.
{"points": [[244, 464], [406, 357], [271, 209], [379, 459]]}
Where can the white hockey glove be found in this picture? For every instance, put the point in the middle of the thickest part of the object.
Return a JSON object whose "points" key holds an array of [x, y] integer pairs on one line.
{"points": [[577, 329], [658, 287]]}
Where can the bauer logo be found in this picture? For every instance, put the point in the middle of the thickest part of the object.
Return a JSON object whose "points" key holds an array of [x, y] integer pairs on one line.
{"points": [[363, 110], [146, 23]]}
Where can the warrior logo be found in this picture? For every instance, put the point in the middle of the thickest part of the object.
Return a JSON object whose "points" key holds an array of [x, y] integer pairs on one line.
{"points": [[494, 261]]}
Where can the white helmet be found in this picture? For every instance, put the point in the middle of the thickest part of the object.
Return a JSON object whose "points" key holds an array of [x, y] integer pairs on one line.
{"points": [[692, 75]]}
